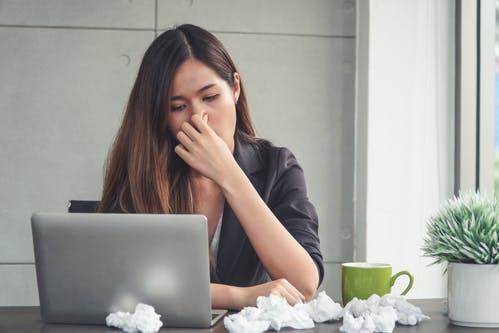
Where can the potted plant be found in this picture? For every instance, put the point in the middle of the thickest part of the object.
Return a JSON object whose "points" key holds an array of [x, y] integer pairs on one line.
{"points": [[465, 233]]}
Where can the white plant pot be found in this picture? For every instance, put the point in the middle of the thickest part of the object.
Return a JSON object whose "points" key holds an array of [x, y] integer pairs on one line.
{"points": [[473, 293]]}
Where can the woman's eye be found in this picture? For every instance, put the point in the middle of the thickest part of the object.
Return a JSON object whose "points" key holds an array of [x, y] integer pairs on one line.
{"points": [[210, 98], [177, 108]]}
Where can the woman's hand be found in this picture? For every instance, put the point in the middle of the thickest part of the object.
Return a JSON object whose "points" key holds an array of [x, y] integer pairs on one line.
{"points": [[203, 150], [280, 287], [236, 298]]}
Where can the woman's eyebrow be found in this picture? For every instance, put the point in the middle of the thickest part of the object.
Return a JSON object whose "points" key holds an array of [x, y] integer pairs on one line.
{"points": [[206, 87]]}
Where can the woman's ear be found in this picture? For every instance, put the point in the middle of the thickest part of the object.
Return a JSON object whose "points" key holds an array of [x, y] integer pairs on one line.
{"points": [[237, 87]]}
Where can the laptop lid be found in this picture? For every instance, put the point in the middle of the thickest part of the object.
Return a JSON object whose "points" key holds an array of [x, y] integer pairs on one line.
{"points": [[89, 265]]}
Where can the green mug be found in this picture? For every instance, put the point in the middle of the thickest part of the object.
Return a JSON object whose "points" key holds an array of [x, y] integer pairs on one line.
{"points": [[361, 280]]}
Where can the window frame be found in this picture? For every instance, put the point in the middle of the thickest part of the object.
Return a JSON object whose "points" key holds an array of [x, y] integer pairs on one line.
{"points": [[475, 70]]}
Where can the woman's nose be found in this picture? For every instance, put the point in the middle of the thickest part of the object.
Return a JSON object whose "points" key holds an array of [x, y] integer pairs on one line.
{"points": [[198, 110]]}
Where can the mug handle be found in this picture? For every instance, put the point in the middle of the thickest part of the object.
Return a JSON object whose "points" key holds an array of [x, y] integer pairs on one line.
{"points": [[411, 280]]}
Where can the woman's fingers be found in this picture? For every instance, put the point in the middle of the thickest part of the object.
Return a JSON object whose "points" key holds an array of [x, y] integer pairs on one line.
{"points": [[204, 150], [183, 153], [190, 131], [280, 287], [290, 298], [185, 141], [295, 291], [201, 123], [289, 292], [189, 134]]}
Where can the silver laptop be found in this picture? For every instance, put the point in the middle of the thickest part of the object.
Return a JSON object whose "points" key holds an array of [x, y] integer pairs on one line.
{"points": [[89, 265]]}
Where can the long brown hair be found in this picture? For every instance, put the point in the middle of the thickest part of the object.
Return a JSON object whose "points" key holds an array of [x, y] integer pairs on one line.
{"points": [[143, 173]]}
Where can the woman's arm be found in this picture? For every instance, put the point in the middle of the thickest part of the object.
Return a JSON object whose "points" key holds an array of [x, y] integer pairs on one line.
{"points": [[282, 256]]}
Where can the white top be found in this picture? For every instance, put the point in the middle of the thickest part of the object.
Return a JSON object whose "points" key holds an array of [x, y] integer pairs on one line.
{"points": [[215, 239]]}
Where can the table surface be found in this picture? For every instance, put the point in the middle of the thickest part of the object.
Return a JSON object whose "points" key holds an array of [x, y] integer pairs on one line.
{"points": [[27, 320]]}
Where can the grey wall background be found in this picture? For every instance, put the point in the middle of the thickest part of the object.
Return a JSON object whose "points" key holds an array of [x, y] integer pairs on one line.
{"points": [[67, 67]]}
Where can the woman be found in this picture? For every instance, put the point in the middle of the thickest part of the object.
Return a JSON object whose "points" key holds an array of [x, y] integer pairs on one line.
{"points": [[187, 145]]}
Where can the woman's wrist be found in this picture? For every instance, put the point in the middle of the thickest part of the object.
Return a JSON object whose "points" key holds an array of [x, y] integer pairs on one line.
{"points": [[228, 297], [231, 179], [238, 297]]}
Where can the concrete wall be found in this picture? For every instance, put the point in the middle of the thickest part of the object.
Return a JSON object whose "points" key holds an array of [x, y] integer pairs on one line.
{"points": [[67, 67]]}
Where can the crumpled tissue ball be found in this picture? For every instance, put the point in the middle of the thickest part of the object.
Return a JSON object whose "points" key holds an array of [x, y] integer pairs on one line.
{"points": [[144, 320], [379, 314], [322, 308], [407, 314], [237, 323], [357, 324]]}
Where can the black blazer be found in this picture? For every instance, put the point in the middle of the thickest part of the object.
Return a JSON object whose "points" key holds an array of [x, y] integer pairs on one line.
{"points": [[279, 179]]}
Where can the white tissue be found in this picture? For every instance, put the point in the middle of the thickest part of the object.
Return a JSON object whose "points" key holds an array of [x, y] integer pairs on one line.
{"points": [[273, 312], [238, 323], [379, 314], [280, 314], [359, 324], [407, 314], [370, 310], [376, 314], [322, 308], [144, 320]]}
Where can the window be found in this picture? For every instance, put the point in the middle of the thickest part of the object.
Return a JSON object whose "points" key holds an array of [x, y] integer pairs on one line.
{"points": [[496, 106]]}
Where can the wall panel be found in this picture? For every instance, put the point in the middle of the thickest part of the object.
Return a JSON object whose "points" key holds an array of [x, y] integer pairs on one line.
{"points": [[66, 93], [18, 285], [313, 17], [332, 281], [127, 14]]}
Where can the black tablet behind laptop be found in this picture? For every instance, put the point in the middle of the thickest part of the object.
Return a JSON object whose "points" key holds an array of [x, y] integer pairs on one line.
{"points": [[89, 265]]}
